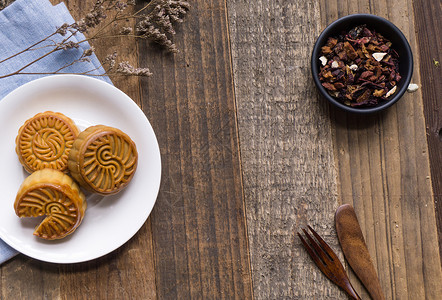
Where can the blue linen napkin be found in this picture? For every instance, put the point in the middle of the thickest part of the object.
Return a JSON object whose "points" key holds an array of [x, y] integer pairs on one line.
{"points": [[22, 24], [26, 22]]}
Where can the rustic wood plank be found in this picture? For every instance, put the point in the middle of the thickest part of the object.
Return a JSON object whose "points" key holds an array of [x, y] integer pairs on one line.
{"points": [[198, 223], [286, 145], [103, 47], [126, 273], [201, 209], [112, 276], [428, 23], [384, 172], [198, 230], [26, 278]]}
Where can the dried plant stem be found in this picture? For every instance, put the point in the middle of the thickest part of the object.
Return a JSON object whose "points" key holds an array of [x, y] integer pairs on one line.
{"points": [[119, 17], [154, 21], [35, 60], [29, 48]]}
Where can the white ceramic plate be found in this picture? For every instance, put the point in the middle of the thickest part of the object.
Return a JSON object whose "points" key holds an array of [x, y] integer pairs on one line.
{"points": [[109, 222]]}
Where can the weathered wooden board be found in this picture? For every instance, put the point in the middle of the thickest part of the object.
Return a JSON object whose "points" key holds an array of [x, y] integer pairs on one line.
{"points": [[383, 170], [428, 24], [299, 160], [286, 145], [110, 277], [198, 224], [382, 161]]}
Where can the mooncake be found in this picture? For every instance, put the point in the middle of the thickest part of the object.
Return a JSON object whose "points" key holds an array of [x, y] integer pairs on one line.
{"points": [[103, 159], [53, 194], [44, 141]]}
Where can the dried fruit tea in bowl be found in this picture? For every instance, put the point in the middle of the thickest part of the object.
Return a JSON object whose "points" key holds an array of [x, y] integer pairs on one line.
{"points": [[359, 68]]}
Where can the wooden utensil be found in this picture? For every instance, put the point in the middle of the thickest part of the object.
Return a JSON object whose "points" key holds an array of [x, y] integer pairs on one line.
{"points": [[355, 250], [328, 262]]}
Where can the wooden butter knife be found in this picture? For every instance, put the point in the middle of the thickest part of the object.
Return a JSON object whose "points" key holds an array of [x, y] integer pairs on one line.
{"points": [[355, 250]]}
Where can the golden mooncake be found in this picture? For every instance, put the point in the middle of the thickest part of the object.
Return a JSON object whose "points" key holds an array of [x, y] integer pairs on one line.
{"points": [[103, 159], [44, 141], [53, 194]]}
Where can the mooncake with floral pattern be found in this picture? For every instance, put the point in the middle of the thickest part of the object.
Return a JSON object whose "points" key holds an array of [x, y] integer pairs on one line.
{"points": [[44, 141], [53, 194], [103, 159]]}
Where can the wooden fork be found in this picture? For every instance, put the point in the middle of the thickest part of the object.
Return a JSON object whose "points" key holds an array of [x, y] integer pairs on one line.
{"points": [[327, 261]]}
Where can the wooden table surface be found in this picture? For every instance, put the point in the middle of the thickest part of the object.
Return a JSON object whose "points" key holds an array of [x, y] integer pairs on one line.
{"points": [[251, 153]]}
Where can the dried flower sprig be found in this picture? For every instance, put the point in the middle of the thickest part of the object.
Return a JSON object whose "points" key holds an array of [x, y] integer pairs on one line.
{"points": [[158, 25], [155, 21]]}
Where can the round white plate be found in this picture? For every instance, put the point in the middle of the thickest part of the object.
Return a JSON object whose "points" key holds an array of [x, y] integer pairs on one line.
{"points": [[109, 221]]}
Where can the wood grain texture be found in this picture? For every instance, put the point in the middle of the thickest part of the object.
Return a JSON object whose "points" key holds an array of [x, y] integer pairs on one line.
{"points": [[111, 276], [198, 223], [194, 245], [428, 23], [299, 161], [42, 280], [384, 172], [286, 145]]}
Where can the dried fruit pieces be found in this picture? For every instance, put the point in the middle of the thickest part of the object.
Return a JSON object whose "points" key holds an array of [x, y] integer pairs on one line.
{"points": [[359, 67]]}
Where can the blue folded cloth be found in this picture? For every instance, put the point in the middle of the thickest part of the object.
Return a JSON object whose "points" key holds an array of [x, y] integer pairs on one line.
{"points": [[26, 22], [22, 24]]}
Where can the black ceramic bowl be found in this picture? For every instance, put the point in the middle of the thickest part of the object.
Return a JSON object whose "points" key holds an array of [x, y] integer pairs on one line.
{"points": [[389, 31]]}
